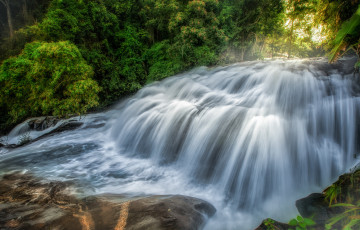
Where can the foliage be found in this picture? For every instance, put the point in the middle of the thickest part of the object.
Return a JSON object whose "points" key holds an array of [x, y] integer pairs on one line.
{"points": [[332, 192], [161, 62], [156, 15], [111, 46], [301, 223], [349, 219], [345, 203], [347, 36], [47, 78], [198, 32], [269, 223]]}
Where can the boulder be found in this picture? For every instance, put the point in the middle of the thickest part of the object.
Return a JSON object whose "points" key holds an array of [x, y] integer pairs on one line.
{"points": [[27, 202], [168, 212], [314, 206]]}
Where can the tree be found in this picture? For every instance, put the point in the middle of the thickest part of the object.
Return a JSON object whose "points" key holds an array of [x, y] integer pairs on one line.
{"points": [[198, 35], [47, 78], [156, 15], [25, 11], [300, 17], [6, 3], [250, 25]]}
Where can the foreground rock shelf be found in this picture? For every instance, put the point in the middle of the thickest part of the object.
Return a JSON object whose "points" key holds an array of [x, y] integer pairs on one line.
{"points": [[27, 202]]}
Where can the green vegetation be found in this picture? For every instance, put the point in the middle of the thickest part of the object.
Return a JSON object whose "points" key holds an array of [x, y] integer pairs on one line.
{"points": [[349, 219], [331, 193], [269, 224], [301, 223], [53, 51], [344, 198], [347, 38], [47, 78]]}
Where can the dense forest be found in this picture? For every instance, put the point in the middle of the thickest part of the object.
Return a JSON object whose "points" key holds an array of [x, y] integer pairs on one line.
{"points": [[65, 57]]}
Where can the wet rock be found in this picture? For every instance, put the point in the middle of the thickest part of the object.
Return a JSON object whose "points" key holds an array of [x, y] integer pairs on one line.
{"points": [[272, 224], [348, 187], [314, 206], [29, 203], [168, 212], [67, 126], [42, 123]]}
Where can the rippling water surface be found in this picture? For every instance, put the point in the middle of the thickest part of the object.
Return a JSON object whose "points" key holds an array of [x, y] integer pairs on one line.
{"points": [[249, 138]]}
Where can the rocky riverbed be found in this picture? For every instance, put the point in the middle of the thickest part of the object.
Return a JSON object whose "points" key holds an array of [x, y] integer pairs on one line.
{"points": [[27, 202]]}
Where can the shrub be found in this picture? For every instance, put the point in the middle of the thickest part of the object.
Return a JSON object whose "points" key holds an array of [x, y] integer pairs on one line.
{"points": [[47, 78]]}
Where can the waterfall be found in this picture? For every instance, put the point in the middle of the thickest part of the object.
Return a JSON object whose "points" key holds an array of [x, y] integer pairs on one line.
{"points": [[251, 138], [254, 131]]}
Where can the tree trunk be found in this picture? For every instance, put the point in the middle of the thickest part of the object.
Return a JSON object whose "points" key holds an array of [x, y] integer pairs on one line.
{"points": [[262, 45], [242, 54], [9, 19], [25, 12], [291, 38]]}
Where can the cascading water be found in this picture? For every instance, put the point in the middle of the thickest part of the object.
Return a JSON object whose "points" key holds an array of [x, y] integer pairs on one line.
{"points": [[249, 138]]}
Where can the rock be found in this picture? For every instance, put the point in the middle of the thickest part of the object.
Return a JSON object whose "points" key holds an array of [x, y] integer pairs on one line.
{"points": [[314, 206], [42, 123], [348, 186], [29, 203], [272, 224], [168, 212], [67, 126]]}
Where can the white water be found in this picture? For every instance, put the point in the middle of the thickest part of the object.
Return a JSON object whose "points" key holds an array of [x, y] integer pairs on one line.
{"points": [[249, 138]]}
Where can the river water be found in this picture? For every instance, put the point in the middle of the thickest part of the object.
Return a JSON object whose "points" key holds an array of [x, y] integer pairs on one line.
{"points": [[250, 138]]}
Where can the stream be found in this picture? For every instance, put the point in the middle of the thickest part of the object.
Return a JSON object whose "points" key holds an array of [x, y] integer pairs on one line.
{"points": [[250, 138]]}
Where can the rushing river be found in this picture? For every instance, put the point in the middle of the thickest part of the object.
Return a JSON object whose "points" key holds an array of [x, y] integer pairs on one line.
{"points": [[249, 138]]}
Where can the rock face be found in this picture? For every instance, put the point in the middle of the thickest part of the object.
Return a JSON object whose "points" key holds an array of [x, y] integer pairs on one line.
{"points": [[28, 203]]}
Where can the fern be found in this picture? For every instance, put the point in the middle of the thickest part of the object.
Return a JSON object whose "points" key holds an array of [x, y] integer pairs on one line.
{"points": [[348, 28]]}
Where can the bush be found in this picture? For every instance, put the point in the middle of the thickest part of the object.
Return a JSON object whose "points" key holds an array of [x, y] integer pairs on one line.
{"points": [[47, 78]]}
